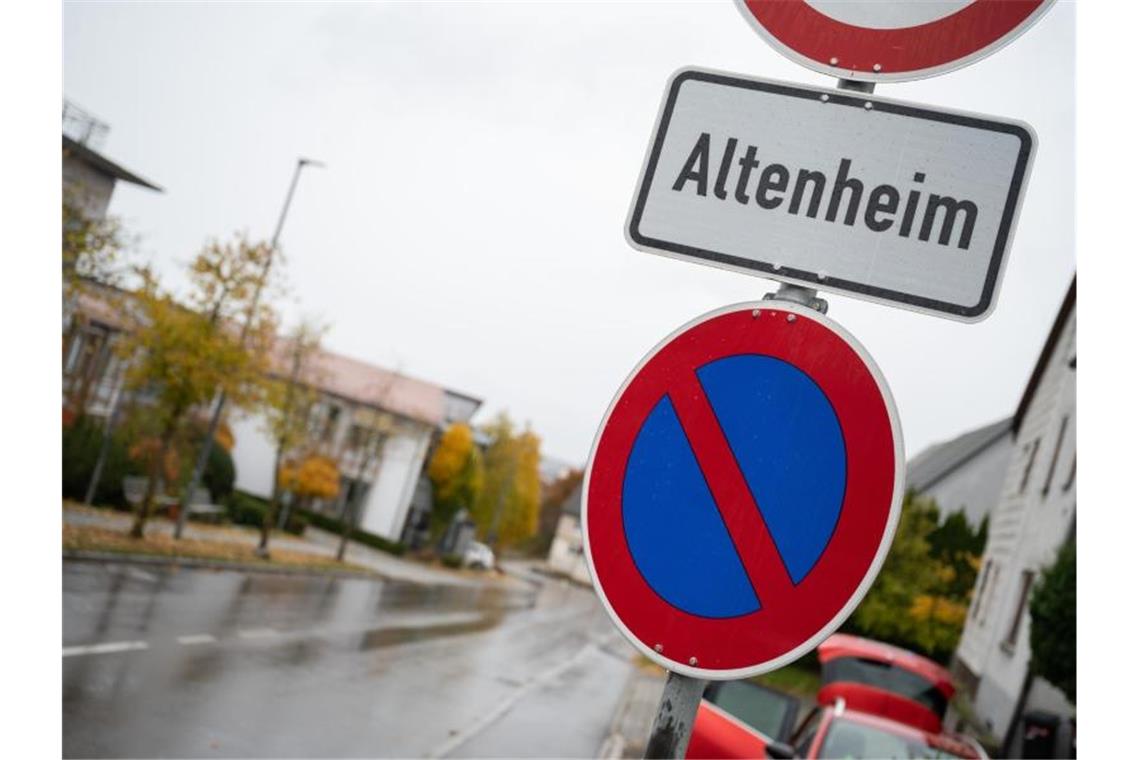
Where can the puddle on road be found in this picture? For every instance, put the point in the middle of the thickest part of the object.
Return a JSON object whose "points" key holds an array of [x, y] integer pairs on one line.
{"points": [[386, 637]]}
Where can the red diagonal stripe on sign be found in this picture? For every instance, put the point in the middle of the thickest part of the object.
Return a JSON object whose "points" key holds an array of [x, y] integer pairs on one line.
{"points": [[738, 509]]}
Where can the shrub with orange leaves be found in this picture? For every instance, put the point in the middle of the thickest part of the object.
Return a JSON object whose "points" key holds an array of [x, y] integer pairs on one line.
{"points": [[314, 476]]}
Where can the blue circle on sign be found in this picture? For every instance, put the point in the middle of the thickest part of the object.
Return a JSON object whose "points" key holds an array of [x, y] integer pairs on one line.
{"points": [[786, 440]]}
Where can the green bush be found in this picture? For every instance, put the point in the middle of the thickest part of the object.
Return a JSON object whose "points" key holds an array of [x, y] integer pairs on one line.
{"points": [[333, 525], [451, 560], [247, 509], [1053, 623], [81, 443], [219, 474]]}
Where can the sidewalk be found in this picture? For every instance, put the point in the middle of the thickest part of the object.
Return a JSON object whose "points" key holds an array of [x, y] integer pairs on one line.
{"points": [[315, 541], [634, 717]]}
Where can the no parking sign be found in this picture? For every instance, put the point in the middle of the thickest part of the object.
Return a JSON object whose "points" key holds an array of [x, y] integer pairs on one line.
{"points": [[743, 490]]}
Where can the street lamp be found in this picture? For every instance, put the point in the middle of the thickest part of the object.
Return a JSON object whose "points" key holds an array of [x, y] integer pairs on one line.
{"points": [[220, 404]]}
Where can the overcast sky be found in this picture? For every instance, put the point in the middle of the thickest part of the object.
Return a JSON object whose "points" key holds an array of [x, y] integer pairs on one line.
{"points": [[481, 160]]}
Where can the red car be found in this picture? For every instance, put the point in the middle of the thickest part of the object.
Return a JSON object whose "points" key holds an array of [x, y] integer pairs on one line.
{"points": [[876, 701]]}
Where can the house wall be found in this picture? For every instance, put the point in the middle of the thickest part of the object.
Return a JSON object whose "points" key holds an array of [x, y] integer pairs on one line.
{"points": [[566, 554], [1032, 520], [976, 486], [253, 454], [388, 499], [392, 481], [92, 189]]}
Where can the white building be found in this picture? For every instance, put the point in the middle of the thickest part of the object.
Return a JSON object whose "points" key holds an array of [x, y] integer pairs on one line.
{"points": [[92, 373], [89, 177], [965, 473], [361, 409], [567, 556], [1035, 516]]}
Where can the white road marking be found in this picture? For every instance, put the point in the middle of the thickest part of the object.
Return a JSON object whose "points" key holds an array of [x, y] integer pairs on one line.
{"points": [[258, 633], [134, 572], [197, 638], [105, 648], [462, 737]]}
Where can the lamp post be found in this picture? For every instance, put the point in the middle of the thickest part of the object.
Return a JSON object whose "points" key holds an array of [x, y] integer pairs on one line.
{"points": [[220, 404]]}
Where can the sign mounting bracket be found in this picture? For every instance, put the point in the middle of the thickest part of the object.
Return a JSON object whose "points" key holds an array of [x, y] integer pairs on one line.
{"points": [[798, 294]]}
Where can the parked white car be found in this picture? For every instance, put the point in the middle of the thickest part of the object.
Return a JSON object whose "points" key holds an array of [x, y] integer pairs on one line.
{"points": [[479, 556]]}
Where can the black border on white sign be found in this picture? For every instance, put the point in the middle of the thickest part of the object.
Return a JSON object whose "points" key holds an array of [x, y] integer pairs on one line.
{"points": [[861, 290]]}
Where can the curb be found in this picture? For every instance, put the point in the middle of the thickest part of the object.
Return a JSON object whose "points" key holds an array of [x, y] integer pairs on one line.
{"points": [[193, 562], [560, 576], [633, 718]]}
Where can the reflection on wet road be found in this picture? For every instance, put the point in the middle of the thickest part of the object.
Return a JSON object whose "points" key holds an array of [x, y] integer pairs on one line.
{"points": [[225, 664]]}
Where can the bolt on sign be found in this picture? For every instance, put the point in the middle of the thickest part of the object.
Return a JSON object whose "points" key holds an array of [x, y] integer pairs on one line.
{"points": [[879, 199], [889, 41]]}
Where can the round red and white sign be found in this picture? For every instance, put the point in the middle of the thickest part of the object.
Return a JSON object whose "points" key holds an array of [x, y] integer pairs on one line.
{"points": [[877, 41], [743, 490]]}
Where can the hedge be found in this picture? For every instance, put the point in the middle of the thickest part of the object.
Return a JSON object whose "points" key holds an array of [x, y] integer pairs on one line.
{"points": [[247, 509], [333, 525], [81, 443], [219, 474]]}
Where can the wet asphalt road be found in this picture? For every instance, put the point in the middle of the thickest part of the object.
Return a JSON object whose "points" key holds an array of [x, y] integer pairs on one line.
{"points": [[193, 663]]}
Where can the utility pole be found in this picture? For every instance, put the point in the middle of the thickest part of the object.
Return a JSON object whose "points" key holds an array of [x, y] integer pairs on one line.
{"points": [[220, 404]]}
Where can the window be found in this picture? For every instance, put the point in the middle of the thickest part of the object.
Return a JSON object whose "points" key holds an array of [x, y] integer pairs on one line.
{"points": [[1072, 474], [888, 677], [1056, 454], [328, 424], [854, 738], [982, 588], [993, 585], [1022, 598], [87, 354], [1029, 464], [358, 437], [803, 736], [772, 713]]}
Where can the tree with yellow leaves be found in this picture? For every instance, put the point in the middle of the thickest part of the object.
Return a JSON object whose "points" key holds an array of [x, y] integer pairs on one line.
{"points": [[180, 357], [507, 510], [921, 595], [456, 474], [285, 405], [314, 476]]}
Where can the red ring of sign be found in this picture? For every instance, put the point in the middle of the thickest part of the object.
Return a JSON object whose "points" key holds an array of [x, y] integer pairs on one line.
{"points": [[925, 49], [865, 522]]}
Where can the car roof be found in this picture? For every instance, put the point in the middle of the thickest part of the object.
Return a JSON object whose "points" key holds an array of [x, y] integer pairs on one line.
{"points": [[845, 645]]}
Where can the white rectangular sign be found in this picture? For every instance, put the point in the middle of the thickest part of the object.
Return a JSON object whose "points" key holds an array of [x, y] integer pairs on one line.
{"points": [[832, 189]]}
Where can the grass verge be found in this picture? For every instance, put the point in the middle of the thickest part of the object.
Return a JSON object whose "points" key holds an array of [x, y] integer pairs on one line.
{"points": [[96, 539], [800, 681]]}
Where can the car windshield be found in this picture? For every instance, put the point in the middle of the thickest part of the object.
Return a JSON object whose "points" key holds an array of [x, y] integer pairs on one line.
{"points": [[769, 712], [849, 739]]}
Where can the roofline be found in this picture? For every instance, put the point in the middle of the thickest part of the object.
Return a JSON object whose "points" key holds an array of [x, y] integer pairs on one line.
{"points": [[1046, 351], [101, 162], [1003, 431], [359, 401], [461, 395]]}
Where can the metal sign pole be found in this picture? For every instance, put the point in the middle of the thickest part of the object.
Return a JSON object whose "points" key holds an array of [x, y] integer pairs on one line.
{"points": [[677, 710], [676, 713]]}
